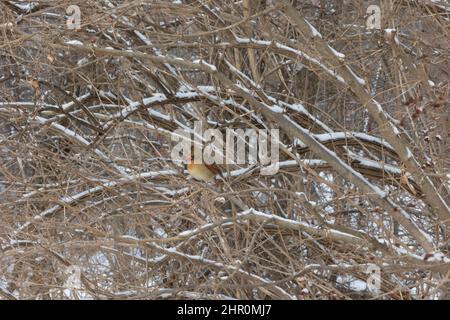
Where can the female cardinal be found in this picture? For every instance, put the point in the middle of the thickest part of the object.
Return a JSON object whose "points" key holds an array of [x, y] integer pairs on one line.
{"points": [[202, 171]]}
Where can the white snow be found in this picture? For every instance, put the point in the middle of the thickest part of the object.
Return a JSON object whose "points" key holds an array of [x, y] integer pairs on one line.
{"points": [[360, 80], [337, 53], [299, 53], [74, 42], [204, 63], [314, 31], [324, 137]]}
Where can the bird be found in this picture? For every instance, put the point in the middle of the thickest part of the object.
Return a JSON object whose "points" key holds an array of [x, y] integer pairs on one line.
{"points": [[202, 171]]}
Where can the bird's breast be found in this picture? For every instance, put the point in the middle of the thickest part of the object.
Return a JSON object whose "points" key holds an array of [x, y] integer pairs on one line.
{"points": [[200, 172]]}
